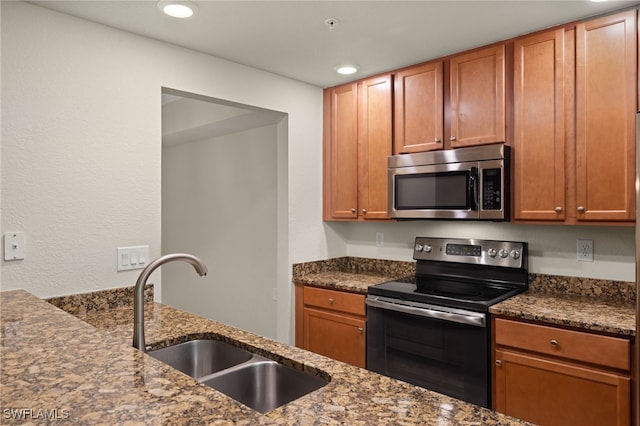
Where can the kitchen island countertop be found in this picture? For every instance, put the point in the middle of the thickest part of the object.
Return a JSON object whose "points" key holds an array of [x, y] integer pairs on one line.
{"points": [[56, 366]]}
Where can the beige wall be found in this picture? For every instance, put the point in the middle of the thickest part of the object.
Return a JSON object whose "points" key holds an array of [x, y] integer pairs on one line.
{"points": [[81, 152], [219, 199]]}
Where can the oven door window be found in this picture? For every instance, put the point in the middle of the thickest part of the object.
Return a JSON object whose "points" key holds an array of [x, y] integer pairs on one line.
{"points": [[451, 190], [442, 356]]}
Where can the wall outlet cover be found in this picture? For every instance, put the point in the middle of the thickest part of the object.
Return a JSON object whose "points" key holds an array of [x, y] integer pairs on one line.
{"points": [[584, 250]]}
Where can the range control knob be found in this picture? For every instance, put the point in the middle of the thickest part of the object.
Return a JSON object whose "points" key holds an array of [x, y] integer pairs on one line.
{"points": [[418, 247], [492, 252], [515, 254], [426, 248], [503, 253]]}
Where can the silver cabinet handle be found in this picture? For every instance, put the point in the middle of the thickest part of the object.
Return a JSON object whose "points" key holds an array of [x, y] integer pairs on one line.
{"points": [[581, 209], [364, 211], [331, 301], [360, 330], [499, 362], [554, 343], [436, 140], [558, 209], [452, 138], [353, 210]]}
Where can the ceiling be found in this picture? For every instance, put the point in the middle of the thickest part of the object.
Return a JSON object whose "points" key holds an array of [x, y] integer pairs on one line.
{"points": [[291, 38]]}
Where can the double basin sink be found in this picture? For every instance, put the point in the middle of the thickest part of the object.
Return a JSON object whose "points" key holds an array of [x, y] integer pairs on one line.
{"points": [[256, 381]]}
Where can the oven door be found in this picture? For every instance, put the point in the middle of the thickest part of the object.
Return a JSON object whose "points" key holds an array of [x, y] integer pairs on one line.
{"points": [[444, 191], [443, 350]]}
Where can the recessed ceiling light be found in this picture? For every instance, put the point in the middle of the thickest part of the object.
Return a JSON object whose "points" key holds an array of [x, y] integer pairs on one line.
{"points": [[177, 8], [347, 69]]}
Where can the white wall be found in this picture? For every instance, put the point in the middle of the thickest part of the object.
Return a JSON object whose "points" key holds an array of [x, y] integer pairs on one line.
{"points": [[219, 200], [81, 153], [552, 248]]}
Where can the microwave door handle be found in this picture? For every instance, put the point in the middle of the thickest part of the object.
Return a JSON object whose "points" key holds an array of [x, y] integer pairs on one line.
{"points": [[472, 192]]}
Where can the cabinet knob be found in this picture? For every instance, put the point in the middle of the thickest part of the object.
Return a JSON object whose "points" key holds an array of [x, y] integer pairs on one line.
{"points": [[360, 330], [452, 138], [331, 301], [558, 209], [499, 362], [437, 140], [581, 209], [554, 343], [364, 211], [353, 210]]}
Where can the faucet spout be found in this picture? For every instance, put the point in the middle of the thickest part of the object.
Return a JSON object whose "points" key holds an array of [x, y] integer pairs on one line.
{"points": [[138, 295]]}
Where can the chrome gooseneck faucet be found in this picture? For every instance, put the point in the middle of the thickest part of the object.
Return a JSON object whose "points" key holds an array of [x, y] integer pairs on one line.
{"points": [[138, 295]]}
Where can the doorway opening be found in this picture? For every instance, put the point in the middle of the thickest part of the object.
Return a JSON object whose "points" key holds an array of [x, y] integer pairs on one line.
{"points": [[224, 198]]}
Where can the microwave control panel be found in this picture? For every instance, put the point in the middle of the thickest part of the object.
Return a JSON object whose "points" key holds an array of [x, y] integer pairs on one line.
{"points": [[491, 189]]}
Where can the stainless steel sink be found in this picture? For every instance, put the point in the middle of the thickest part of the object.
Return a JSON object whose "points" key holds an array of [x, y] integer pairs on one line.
{"points": [[264, 384], [251, 379], [199, 358]]}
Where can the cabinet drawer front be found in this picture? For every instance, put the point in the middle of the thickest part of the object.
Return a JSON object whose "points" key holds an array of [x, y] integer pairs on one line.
{"points": [[575, 345], [335, 300]]}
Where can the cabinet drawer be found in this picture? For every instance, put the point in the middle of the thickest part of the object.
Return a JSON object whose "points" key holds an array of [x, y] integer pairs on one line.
{"points": [[335, 300], [574, 345]]}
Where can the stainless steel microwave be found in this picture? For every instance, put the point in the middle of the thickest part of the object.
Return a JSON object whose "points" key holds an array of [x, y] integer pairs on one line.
{"points": [[465, 183]]}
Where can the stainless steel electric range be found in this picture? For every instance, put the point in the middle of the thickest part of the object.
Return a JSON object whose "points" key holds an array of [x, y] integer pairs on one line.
{"points": [[433, 329]]}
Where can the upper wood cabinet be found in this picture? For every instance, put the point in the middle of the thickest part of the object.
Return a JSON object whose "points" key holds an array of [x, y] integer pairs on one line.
{"points": [[477, 97], [565, 98], [574, 123], [539, 130], [374, 146], [606, 79], [341, 152], [419, 109], [357, 142]]}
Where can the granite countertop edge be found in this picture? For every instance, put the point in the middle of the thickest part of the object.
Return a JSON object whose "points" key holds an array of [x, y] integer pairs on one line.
{"points": [[85, 368]]}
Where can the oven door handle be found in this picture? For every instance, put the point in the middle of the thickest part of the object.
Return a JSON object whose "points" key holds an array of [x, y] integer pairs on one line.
{"points": [[472, 318]]}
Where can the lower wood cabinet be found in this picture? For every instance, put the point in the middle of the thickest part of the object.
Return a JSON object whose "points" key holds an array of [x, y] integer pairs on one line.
{"points": [[331, 323], [553, 376]]}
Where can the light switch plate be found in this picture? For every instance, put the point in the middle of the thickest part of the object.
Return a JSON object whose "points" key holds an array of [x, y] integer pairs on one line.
{"points": [[14, 246], [134, 257]]}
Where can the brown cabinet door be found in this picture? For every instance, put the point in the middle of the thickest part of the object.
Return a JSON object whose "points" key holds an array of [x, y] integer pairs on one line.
{"points": [[419, 109], [477, 84], [549, 393], [334, 335], [341, 153], [606, 91], [539, 131], [374, 146]]}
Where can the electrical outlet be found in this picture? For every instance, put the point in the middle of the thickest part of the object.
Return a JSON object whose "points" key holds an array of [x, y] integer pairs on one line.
{"points": [[585, 250], [379, 239]]}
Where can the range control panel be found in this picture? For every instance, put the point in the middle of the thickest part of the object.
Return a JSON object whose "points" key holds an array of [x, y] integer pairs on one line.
{"points": [[510, 254]]}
